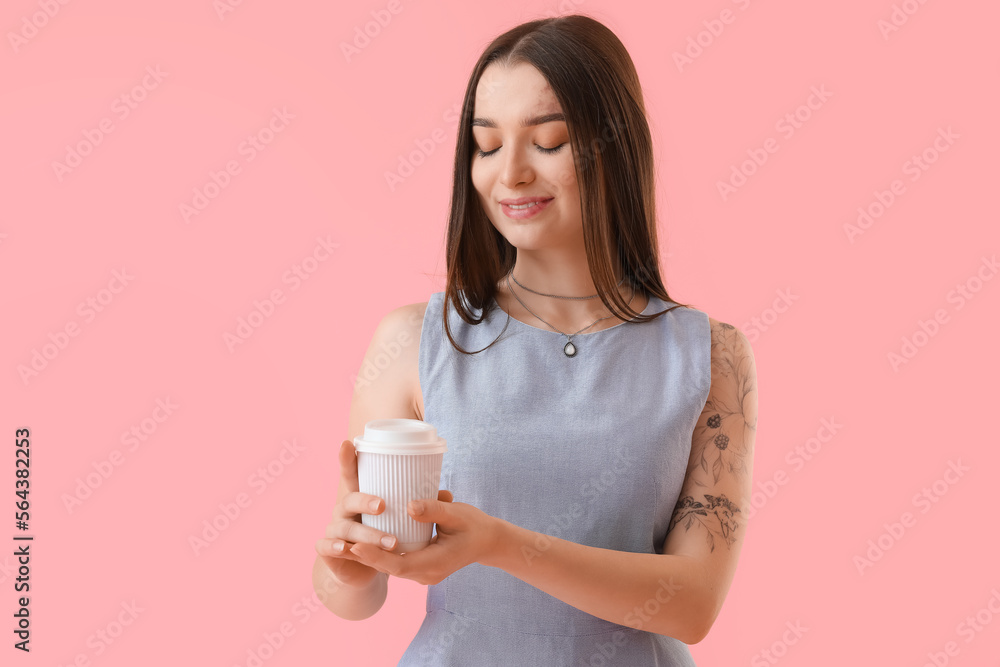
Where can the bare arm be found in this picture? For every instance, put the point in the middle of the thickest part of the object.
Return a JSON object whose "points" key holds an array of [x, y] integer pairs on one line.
{"points": [[382, 391], [680, 592]]}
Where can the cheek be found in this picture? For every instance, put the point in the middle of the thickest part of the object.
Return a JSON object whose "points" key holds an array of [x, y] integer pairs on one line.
{"points": [[565, 173], [481, 183], [480, 175]]}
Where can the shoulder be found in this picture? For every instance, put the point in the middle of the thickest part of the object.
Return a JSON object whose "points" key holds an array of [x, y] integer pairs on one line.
{"points": [[734, 370], [727, 339], [391, 365], [402, 324]]}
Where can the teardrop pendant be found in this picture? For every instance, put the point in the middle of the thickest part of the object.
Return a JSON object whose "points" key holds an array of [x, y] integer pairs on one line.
{"points": [[570, 349]]}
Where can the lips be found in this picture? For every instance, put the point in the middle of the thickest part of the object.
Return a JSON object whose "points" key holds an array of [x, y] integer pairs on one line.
{"points": [[525, 208], [523, 200]]}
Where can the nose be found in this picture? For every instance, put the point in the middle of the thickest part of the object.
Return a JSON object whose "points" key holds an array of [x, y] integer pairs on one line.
{"points": [[516, 168]]}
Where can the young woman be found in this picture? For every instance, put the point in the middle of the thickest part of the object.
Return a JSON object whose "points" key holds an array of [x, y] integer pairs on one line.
{"points": [[600, 435]]}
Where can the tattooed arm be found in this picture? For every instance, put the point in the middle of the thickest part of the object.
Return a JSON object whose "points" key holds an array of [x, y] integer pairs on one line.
{"points": [[677, 593], [709, 520]]}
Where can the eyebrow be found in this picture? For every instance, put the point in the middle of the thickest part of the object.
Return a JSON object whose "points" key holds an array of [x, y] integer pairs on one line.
{"points": [[525, 122]]}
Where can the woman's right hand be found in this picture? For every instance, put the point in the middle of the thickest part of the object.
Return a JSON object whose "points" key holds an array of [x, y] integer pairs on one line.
{"points": [[346, 528]]}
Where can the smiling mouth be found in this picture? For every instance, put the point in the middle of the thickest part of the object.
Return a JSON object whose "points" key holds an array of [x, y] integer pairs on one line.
{"points": [[525, 209]]}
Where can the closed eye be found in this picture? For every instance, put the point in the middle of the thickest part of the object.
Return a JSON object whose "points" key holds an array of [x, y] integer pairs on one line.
{"points": [[547, 151]]}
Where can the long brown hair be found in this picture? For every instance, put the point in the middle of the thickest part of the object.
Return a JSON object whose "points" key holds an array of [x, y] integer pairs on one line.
{"points": [[595, 81]]}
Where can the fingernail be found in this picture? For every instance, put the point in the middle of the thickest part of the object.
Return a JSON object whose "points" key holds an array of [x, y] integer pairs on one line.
{"points": [[417, 507], [373, 505], [338, 547], [387, 542]]}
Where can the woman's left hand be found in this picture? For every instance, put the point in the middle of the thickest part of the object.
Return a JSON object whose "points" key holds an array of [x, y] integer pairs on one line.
{"points": [[465, 535]]}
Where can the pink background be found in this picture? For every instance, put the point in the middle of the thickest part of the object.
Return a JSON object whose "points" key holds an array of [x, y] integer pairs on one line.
{"points": [[322, 176]]}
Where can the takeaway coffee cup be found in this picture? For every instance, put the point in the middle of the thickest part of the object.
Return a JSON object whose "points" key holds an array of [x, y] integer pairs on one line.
{"points": [[399, 460]]}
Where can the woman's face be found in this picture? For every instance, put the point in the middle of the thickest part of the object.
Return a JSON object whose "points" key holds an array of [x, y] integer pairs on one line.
{"points": [[534, 160]]}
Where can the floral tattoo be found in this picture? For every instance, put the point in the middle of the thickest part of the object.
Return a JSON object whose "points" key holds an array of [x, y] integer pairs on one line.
{"points": [[732, 418]]}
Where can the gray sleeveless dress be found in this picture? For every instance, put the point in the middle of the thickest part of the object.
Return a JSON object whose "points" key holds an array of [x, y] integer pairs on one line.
{"points": [[591, 449]]}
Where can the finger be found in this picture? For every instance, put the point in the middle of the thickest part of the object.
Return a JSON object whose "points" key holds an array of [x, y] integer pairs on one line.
{"points": [[398, 565], [356, 502], [445, 495], [354, 532], [348, 466], [381, 560], [335, 552], [348, 569], [429, 511], [333, 548]]}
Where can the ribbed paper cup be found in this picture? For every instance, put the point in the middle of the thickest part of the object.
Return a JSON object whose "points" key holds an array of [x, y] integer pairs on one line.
{"points": [[399, 460]]}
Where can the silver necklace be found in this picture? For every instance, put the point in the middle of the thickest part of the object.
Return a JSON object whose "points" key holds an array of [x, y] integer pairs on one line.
{"points": [[569, 348], [556, 296]]}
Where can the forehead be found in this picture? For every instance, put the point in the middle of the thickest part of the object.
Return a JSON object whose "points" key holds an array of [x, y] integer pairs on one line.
{"points": [[509, 92]]}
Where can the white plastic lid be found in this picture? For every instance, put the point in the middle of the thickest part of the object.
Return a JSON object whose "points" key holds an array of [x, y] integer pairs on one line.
{"points": [[400, 436]]}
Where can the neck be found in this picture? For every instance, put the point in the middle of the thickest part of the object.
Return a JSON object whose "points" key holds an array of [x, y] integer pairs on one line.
{"points": [[567, 278]]}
